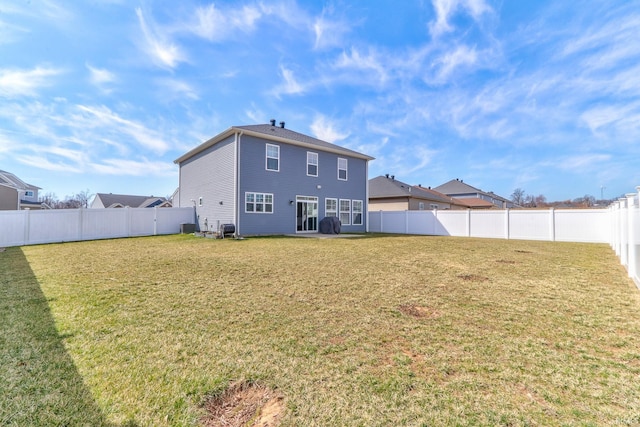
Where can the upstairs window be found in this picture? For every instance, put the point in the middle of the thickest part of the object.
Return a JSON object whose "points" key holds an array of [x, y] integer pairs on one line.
{"points": [[28, 193], [342, 169], [273, 157], [312, 164]]}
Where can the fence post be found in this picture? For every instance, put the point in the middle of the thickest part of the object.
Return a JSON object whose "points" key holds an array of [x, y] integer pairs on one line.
{"points": [[155, 220], [381, 227], [127, 210], [80, 222], [552, 224], [468, 222], [631, 252], [506, 223], [624, 244], [406, 222], [27, 226]]}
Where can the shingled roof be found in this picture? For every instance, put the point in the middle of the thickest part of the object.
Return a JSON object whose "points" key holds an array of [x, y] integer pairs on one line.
{"points": [[383, 187], [122, 200], [276, 134]]}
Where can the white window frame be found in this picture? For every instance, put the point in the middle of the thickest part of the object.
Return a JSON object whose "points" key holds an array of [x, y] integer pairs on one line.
{"points": [[327, 210], [28, 193], [433, 206], [267, 157], [310, 162], [345, 169], [420, 206], [200, 201], [261, 203], [345, 212], [355, 212]]}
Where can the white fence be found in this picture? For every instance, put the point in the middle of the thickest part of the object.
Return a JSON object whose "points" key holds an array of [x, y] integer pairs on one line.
{"points": [[567, 225], [625, 233], [18, 228], [618, 226]]}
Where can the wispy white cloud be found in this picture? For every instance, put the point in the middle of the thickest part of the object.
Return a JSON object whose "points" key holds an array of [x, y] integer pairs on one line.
{"points": [[326, 130], [461, 56], [177, 90], [100, 76], [158, 46], [103, 117], [582, 162], [289, 85], [124, 167], [446, 9], [215, 24], [329, 29], [15, 83], [371, 62]]}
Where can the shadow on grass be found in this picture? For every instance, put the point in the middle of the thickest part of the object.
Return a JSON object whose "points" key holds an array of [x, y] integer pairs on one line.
{"points": [[40, 383]]}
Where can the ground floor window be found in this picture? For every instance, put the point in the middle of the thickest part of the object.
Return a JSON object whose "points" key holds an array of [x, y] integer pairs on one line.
{"points": [[330, 207], [258, 202], [356, 206], [345, 212]]}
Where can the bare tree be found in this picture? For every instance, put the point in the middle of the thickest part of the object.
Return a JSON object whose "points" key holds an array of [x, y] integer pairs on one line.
{"points": [[518, 196], [76, 201]]}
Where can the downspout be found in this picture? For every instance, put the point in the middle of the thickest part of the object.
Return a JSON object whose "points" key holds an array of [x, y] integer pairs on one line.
{"points": [[237, 204], [366, 199]]}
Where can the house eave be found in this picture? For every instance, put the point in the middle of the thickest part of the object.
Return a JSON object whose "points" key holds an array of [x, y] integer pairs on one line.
{"points": [[232, 130]]}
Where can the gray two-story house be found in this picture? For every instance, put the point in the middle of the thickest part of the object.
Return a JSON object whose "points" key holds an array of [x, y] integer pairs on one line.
{"points": [[266, 179]]}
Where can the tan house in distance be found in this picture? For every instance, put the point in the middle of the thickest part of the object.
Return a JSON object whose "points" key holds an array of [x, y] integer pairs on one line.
{"points": [[15, 194], [388, 194]]}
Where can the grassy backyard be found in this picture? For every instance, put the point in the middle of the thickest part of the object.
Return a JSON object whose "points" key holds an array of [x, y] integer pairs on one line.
{"points": [[376, 331]]}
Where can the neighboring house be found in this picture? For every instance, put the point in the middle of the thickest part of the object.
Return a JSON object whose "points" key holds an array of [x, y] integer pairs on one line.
{"points": [[461, 191], [266, 179], [15, 194], [388, 194], [110, 200]]}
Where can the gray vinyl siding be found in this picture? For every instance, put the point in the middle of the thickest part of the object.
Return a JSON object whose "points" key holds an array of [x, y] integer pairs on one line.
{"points": [[291, 181], [210, 175]]}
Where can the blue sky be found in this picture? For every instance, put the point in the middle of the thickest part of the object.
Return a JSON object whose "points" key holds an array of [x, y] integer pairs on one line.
{"points": [[540, 95]]}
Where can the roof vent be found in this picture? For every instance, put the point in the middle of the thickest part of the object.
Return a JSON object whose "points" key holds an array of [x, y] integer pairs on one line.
{"points": [[393, 177], [273, 122], [282, 125], [387, 175]]}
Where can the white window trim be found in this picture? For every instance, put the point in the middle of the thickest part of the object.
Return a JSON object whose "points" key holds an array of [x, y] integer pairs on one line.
{"points": [[333, 211], [266, 157], [255, 203], [345, 169], [353, 212], [340, 211], [200, 201], [316, 163]]}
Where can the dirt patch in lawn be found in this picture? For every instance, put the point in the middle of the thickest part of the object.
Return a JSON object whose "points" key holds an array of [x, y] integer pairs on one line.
{"points": [[473, 278], [418, 311], [244, 405]]}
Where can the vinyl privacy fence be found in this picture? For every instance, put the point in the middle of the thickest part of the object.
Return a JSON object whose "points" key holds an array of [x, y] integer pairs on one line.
{"points": [[18, 228], [618, 226]]}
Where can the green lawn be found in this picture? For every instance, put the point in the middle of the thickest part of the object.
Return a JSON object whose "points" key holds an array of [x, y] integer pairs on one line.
{"points": [[384, 330]]}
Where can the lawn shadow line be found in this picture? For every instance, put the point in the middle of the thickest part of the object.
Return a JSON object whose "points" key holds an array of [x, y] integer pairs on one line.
{"points": [[40, 383]]}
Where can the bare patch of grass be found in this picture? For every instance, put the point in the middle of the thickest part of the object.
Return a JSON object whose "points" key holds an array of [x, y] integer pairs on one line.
{"points": [[418, 311], [244, 405], [376, 331]]}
